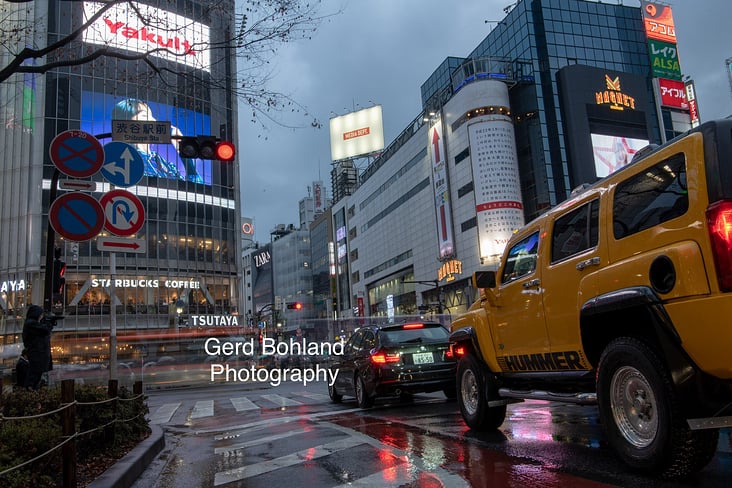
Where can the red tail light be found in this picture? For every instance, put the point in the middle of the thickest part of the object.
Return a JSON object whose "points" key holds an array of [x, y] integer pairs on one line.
{"points": [[719, 221], [412, 326], [381, 357], [455, 351]]}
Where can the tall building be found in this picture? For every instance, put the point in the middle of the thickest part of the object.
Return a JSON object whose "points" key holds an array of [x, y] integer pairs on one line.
{"points": [[192, 226], [558, 94]]}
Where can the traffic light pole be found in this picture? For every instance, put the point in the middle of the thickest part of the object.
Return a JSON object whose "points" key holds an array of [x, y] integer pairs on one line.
{"points": [[50, 244]]}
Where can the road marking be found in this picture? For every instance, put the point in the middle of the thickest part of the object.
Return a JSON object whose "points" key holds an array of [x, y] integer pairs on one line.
{"points": [[281, 401], [164, 413], [313, 396], [242, 404], [244, 445], [244, 472], [203, 408]]}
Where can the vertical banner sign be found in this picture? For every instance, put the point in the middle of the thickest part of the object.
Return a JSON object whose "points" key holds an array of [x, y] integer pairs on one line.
{"points": [[442, 193], [664, 60], [659, 22], [498, 203]]}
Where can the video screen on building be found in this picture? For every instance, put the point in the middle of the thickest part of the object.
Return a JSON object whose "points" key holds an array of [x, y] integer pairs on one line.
{"points": [[161, 160], [613, 152]]}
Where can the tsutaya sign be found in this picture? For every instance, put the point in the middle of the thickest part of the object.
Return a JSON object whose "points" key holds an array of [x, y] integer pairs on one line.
{"points": [[7, 286], [137, 283], [163, 34]]}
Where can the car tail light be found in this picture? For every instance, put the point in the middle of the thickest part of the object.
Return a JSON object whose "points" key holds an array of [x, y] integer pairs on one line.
{"points": [[719, 221], [455, 351], [381, 357], [412, 326]]}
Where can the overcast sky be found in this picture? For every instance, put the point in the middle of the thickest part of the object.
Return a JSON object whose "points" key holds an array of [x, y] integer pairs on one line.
{"points": [[381, 51]]}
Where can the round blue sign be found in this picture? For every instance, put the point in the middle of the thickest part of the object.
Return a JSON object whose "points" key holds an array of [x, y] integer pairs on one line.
{"points": [[123, 164], [76, 153], [76, 216]]}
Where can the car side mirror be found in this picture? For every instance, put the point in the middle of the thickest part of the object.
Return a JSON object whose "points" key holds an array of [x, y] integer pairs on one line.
{"points": [[484, 279]]}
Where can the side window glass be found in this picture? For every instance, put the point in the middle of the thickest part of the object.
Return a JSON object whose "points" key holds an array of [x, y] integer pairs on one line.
{"points": [[369, 341], [651, 197], [576, 231], [521, 259], [354, 342]]}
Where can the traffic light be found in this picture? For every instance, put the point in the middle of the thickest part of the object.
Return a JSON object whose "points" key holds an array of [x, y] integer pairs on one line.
{"points": [[59, 269], [294, 306], [206, 147]]}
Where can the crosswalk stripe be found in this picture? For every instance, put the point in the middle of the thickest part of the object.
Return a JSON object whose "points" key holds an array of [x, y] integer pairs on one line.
{"points": [[243, 403], [244, 445], [164, 413], [281, 401], [203, 408], [237, 474], [313, 396]]}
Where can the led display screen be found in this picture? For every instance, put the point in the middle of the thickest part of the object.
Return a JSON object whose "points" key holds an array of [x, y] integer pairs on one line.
{"points": [[161, 160], [612, 152]]}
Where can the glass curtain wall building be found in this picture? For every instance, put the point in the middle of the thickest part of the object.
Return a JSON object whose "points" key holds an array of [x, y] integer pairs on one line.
{"points": [[191, 229]]}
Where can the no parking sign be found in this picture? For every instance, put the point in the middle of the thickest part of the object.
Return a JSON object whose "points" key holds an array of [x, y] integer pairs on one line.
{"points": [[76, 153]]}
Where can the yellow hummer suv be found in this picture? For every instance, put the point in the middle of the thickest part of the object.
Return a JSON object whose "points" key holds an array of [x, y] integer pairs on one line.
{"points": [[620, 296]]}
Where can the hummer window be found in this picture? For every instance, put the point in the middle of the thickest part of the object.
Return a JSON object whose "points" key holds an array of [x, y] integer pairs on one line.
{"points": [[521, 259], [651, 197], [575, 232]]}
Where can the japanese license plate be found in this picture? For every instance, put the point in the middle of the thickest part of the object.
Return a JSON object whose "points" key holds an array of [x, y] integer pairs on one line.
{"points": [[422, 358]]}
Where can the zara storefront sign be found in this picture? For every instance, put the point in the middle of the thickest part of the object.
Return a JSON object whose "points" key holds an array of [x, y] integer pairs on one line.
{"points": [[137, 283]]}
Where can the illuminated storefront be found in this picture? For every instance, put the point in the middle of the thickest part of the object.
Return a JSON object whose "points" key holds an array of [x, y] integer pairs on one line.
{"points": [[192, 225]]}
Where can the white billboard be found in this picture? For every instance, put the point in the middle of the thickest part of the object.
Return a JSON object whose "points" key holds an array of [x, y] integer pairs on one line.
{"points": [[612, 153], [356, 133], [436, 145], [163, 34]]}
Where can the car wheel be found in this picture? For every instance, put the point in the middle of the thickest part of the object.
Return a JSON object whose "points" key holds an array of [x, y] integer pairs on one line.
{"points": [[641, 414], [362, 396], [334, 395], [473, 399]]}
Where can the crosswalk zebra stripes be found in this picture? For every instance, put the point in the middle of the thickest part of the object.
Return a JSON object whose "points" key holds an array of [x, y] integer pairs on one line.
{"points": [[206, 408]]}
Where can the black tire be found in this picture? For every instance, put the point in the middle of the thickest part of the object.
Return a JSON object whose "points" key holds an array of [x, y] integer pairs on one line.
{"points": [[641, 415], [473, 398], [362, 396], [335, 397]]}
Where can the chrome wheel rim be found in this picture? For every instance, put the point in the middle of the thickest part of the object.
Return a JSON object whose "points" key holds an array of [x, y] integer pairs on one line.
{"points": [[634, 407], [469, 391]]}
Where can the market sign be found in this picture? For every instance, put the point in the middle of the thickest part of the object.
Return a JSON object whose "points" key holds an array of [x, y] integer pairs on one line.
{"points": [[613, 95]]}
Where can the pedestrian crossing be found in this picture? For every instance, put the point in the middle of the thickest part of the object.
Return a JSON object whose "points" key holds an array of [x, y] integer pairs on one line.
{"points": [[203, 409]]}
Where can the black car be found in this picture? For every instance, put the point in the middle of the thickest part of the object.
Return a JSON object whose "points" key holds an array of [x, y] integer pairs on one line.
{"points": [[394, 359]]}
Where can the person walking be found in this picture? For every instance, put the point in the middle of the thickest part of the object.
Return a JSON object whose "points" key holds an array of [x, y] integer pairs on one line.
{"points": [[37, 342]]}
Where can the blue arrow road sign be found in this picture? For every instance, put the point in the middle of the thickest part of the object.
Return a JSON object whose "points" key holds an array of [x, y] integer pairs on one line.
{"points": [[123, 164]]}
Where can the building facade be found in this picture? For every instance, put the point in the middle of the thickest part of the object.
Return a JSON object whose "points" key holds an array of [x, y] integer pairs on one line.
{"points": [[192, 225], [558, 94]]}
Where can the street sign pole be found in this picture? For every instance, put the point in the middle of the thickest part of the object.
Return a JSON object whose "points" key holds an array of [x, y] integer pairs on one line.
{"points": [[112, 318], [50, 244]]}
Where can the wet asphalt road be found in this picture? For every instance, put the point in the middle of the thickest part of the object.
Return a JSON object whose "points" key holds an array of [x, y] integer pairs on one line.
{"points": [[292, 436]]}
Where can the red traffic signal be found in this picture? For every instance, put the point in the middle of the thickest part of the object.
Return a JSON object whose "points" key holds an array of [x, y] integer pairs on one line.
{"points": [[294, 306], [206, 147]]}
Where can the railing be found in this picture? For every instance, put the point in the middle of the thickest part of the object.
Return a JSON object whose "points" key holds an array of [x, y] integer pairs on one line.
{"points": [[100, 426]]}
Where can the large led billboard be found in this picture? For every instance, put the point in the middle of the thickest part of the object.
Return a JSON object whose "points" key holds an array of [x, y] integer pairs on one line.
{"points": [[612, 152], [161, 160], [147, 29], [356, 134]]}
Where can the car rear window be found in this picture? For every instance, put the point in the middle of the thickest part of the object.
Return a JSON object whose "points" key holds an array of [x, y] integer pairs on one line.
{"points": [[427, 334]]}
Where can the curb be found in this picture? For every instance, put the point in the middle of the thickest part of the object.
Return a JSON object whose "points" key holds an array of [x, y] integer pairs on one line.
{"points": [[126, 471]]}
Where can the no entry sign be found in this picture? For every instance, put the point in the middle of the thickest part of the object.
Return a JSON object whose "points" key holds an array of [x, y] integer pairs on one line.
{"points": [[76, 153]]}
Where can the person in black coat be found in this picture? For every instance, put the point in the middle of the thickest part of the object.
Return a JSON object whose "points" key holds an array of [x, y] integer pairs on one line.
{"points": [[37, 342], [21, 369]]}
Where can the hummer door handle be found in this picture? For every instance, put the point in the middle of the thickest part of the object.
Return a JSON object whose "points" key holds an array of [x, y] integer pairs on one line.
{"points": [[532, 283], [588, 262]]}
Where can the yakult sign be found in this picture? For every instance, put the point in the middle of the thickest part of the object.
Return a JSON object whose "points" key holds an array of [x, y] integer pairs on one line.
{"points": [[163, 34]]}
